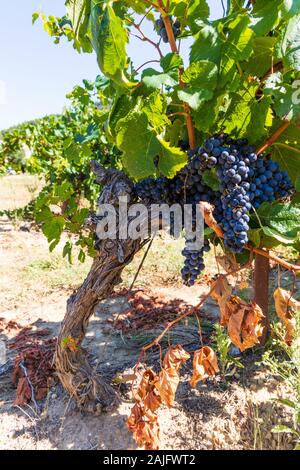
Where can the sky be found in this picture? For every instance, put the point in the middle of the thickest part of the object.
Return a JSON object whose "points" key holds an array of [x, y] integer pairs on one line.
{"points": [[35, 74]]}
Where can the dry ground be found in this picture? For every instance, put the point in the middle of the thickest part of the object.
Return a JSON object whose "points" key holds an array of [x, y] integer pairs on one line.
{"points": [[236, 414]]}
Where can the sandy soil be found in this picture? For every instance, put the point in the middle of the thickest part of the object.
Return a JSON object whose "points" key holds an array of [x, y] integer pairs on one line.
{"points": [[235, 414]]}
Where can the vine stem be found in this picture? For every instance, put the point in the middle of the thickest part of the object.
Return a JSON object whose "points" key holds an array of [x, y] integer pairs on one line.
{"points": [[152, 4], [211, 222], [275, 136], [144, 37], [146, 63], [174, 49], [193, 310]]}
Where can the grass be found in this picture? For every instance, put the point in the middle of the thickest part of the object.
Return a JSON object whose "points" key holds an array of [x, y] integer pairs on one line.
{"points": [[17, 191], [28, 271], [55, 272], [162, 264]]}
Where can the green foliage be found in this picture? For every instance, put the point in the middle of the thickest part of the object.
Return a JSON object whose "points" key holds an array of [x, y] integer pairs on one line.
{"points": [[223, 346], [60, 148], [276, 223], [283, 360], [243, 77]]}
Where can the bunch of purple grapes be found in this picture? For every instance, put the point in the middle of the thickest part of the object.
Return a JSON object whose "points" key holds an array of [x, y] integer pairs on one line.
{"points": [[245, 182], [160, 27]]}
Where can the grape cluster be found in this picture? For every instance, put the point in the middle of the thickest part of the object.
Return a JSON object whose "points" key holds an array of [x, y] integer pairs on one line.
{"points": [[245, 182], [160, 27], [269, 183], [153, 191], [193, 263]]}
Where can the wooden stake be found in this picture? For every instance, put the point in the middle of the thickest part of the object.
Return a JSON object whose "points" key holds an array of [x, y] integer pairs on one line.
{"points": [[261, 292]]}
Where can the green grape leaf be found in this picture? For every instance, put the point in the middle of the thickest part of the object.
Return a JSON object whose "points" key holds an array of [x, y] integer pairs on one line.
{"points": [[118, 111], [289, 45], [109, 38], [238, 47], [207, 114], [63, 191], [79, 13], [81, 256], [139, 6], [174, 132], [67, 251], [286, 98], [207, 45], [202, 74], [265, 16], [278, 236], [153, 79], [171, 160], [260, 120], [72, 153], [290, 8], [286, 151], [288, 158], [194, 98], [254, 236], [171, 62], [155, 107], [201, 79], [282, 218], [190, 12], [138, 143], [53, 228], [262, 58]]}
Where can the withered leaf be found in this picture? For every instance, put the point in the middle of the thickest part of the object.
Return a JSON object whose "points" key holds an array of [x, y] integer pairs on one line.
{"points": [[207, 211], [151, 404], [153, 390], [146, 384], [222, 291], [244, 323], [283, 303], [166, 385], [145, 433], [175, 357], [205, 364]]}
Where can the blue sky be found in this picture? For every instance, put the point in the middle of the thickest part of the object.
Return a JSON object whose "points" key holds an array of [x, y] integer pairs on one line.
{"points": [[35, 74]]}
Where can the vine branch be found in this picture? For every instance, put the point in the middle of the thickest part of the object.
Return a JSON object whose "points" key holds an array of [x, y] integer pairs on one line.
{"points": [[193, 310], [143, 36], [174, 49], [275, 136], [211, 222]]}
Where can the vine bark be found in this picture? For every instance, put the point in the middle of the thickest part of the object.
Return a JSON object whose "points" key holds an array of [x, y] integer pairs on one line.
{"points": [[90, 391]]}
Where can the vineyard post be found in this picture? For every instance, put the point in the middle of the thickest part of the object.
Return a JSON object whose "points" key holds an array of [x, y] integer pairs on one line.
{"points": [[261, 291]]}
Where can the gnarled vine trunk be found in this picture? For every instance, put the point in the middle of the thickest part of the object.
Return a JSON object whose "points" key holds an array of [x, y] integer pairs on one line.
{"points": [[76, 374]]}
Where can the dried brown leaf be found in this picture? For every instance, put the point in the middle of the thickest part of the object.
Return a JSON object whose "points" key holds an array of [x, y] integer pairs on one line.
{"points": [[145, 433], [151, 404], [222, 291], [175, 357], [146, 385], [244, 323], [283, 303], [205, 364], [166, 385], [207, 211], [168, 379], [153, 390]]}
